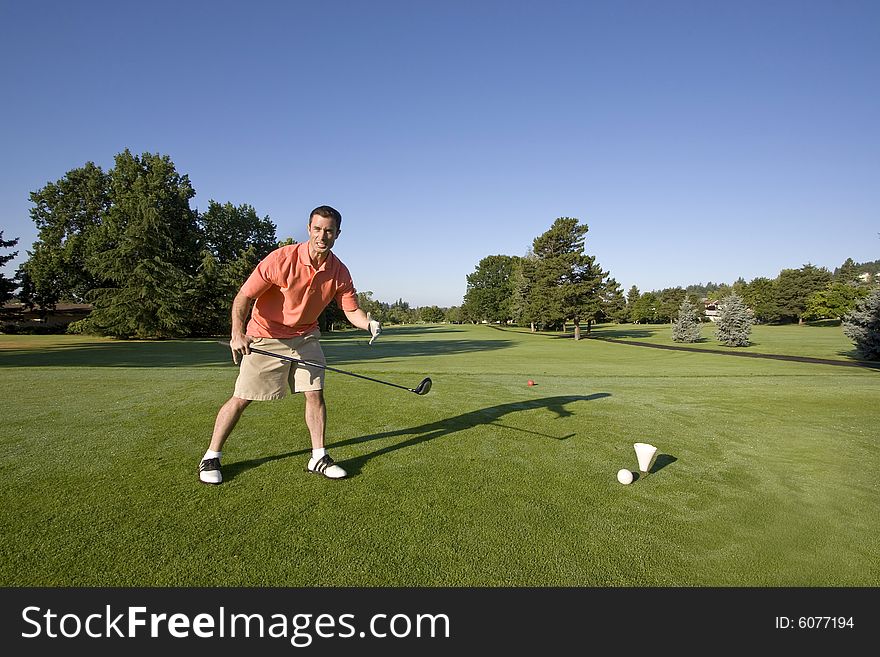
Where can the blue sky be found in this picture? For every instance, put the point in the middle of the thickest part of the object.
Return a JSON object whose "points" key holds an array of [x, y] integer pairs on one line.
{"points": [[700, 141]]}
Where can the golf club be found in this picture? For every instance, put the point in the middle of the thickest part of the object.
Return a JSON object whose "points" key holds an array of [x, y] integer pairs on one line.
{"points": [[422, 389]]}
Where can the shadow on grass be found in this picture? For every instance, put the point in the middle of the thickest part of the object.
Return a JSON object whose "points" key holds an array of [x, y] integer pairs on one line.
{"points": [[210, 353], [597, 332], [357, 351], [425, 432], [660, 462], [398, 329], [121, 353], [623, 333], [875, 365]]}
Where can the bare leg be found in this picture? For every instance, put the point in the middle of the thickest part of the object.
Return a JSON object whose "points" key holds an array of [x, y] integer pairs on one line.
{"points": [[227, 417], [316, 416]]}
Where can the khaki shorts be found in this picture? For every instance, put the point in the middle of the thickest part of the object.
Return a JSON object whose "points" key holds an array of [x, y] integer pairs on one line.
{"points": [[261, 378]]}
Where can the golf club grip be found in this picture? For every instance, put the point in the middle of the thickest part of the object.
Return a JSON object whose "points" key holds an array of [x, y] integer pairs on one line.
{"points": [[325, 367]]}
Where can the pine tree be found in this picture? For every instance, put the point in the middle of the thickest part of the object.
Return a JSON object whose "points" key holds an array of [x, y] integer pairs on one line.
{"points": [[631, 298], [734, 324], [522, 306], [686, 327], [147, 294], [848, 272], [862, 326], [569, 281], [7, 285], [613, 302]]}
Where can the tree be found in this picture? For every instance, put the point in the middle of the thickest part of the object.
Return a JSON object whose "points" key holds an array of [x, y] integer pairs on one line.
{"points": [[146, 298], [848, 272], [205, 292], [734, 325], [431, 314], [570, 280], [330, 317], [687, 327], [400, 312], [722, 290], [613, 302], [7, 285], [490, 288], [834, 302], [453, 315], [631, 297], [523, 306], [793, 288], [149, 252], [233, 241], [760, 296], [369, 305], [68, 214], [644, 309], [670, 302], [227, 230], [862, 326], [129, 241]]}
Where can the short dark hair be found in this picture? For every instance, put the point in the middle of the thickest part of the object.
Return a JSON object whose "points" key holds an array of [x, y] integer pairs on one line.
{"points": [[328, 213]]}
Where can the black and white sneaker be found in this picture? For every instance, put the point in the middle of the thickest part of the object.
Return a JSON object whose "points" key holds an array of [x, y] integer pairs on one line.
{"points": [[326, 467], [209, 471]]}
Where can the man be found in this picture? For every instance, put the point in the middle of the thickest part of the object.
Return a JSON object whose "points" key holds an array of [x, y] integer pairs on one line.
{"points": [[288, 290]]}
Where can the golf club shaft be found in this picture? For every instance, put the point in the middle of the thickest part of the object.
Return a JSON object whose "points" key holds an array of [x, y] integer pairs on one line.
{"points": [[326, 367]]}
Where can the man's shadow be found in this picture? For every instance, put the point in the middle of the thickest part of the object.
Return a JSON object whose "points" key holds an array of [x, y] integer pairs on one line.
{"points": [[425, 432]]}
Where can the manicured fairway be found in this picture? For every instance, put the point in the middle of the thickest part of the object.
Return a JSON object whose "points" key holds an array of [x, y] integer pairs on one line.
{"points": [[766, 474]]}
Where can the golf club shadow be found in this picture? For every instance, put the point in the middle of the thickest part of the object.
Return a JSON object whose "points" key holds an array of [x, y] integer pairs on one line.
{"points": [[445, 427], [429, 431]]}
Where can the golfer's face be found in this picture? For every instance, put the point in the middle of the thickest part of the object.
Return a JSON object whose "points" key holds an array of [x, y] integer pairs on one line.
{"points": [[322, 234]]}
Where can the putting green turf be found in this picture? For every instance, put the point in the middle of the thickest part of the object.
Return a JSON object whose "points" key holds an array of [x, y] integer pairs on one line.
{"points": [[765, 474]]}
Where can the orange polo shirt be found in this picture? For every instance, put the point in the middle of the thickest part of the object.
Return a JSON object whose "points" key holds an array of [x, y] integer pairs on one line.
{"points": [[291, 293]]}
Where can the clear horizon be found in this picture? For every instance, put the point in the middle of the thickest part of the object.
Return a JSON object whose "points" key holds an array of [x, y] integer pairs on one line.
{"points": [[698, 141]]}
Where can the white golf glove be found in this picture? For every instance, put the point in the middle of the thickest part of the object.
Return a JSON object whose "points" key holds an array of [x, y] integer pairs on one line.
{"points": [[375, 328]]}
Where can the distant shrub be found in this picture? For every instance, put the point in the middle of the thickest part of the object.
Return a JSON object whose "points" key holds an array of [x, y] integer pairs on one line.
{"points": [[16, 328]]}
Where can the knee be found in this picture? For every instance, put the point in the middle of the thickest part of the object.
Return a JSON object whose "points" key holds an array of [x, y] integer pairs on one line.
{"points": [[314, 397], [238, 404]]}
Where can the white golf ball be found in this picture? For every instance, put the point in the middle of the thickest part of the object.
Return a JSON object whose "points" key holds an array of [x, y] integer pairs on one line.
{"points": [[624, 476]]}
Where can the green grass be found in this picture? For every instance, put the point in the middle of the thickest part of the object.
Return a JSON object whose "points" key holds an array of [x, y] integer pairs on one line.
{"points": [[818, 340], [766, 474]]}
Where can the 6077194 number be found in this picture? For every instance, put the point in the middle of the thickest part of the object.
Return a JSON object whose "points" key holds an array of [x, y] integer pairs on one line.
{"points": [[815, 622]]}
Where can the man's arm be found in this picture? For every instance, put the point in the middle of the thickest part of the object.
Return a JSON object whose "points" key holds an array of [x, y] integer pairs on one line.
{"points": [[240, 342]]}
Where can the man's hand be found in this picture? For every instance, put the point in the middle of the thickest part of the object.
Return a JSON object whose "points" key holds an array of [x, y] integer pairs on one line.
{"points": [[240, 345], [375, 328]]}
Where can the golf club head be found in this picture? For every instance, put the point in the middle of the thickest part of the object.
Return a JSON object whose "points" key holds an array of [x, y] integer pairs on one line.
{"points": [[424, 387]]}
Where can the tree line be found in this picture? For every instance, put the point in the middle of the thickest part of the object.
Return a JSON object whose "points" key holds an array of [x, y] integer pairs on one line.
{"points": [[796, 295], [127, 242], [557, 282]]}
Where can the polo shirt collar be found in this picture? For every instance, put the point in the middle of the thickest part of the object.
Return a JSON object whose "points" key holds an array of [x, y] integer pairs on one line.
{"points": [[305, 260]]}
